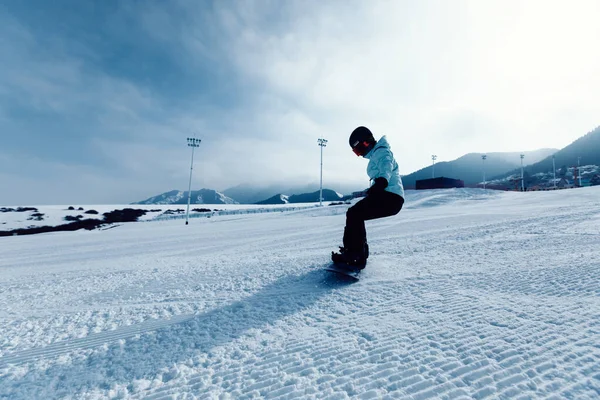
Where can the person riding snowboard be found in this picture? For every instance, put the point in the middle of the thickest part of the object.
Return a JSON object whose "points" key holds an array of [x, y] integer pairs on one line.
{"points": [[384, 197]]}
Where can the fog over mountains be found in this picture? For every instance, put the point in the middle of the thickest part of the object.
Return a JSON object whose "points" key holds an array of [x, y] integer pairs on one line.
{"points": [[251, 194]]}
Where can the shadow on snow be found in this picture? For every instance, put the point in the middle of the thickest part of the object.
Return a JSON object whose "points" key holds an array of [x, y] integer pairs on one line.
{"points": [[152, 352]]}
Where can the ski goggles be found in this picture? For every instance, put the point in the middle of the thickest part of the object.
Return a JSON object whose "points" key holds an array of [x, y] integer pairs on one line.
{"points": [[361, 148]]}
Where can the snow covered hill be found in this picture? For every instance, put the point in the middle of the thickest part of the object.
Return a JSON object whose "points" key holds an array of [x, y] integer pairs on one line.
{"points": [[313, 197], [277, 199], [467, 294], [29, 220], [202, 196]]}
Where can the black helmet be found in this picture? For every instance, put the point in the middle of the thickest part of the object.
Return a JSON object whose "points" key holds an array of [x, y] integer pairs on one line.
{"points": [[362, 141]]}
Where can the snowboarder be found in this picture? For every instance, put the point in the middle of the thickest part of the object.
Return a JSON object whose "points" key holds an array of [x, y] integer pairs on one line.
{"points": [[384, 197]]}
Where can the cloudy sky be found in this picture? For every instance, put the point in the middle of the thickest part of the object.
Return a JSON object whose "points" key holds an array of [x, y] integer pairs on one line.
{"points": [[97, 98]]}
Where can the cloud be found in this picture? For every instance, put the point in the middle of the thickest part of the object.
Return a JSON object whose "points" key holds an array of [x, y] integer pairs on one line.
{"points": [[436, 77], [37, 182], [260, 81]]}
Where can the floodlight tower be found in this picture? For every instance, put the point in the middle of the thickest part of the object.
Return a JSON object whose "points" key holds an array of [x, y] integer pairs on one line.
{"points": [[433, 158], [553, 172], [522, 178], [322, 143], [193, 143], [483, 158]]}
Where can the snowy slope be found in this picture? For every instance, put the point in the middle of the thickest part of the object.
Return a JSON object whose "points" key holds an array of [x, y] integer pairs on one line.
{"points": [[55, 215], [466, 295], [10, 218]]}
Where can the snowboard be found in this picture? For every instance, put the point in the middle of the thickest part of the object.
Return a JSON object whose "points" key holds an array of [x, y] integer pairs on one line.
{"points": [[345, 270]]}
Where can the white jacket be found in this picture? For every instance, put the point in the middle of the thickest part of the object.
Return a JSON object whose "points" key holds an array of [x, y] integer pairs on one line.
{"points": [[383, 164]]}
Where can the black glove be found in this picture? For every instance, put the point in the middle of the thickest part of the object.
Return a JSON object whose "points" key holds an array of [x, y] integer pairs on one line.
{"points": [[378, 187]]}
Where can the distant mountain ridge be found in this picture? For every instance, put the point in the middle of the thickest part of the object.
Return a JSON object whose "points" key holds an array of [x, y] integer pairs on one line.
{"points": [[328, 195], [202, 196], [209, 196], [469, 168], [499, 166], [586, 147], [277, 199], [253, 194], [585, 150]]}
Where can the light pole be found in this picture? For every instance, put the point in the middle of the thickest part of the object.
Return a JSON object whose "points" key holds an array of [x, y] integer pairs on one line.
{"points": [[522, 179], [553, 172], [193, 143], [483, 158], [322, 143], [433, 158], [579, 170]]}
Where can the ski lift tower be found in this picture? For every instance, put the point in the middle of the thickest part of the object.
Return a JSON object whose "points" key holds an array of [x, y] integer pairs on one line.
{"points": [[579, 170], [576, 176], [516, 182]]}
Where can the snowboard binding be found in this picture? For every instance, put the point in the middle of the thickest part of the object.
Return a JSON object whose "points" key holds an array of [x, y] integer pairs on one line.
{"points": [[353, 259]]}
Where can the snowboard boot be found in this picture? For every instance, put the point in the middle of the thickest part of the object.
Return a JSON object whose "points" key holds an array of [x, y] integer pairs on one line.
{"points": [[355, 259]]}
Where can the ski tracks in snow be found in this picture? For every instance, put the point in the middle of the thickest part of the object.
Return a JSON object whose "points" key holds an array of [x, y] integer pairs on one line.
{"points": [[455, 303], [427, 338]]}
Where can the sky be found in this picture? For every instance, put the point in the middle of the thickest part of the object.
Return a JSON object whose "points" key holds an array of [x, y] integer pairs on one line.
{"points": [[97, 98]]}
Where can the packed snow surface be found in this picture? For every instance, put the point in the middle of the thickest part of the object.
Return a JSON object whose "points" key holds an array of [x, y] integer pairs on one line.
{"points": [[15, 218], [467, 294]]}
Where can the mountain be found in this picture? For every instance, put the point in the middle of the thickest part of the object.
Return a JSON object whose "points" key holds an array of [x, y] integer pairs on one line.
{"points": [[277, 199], [253, 194], [469, 168], [328, 195], [586, 149], [202, 196]]}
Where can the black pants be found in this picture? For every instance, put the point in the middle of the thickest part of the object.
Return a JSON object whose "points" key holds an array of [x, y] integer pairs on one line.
{"points": [[377, 205]]}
